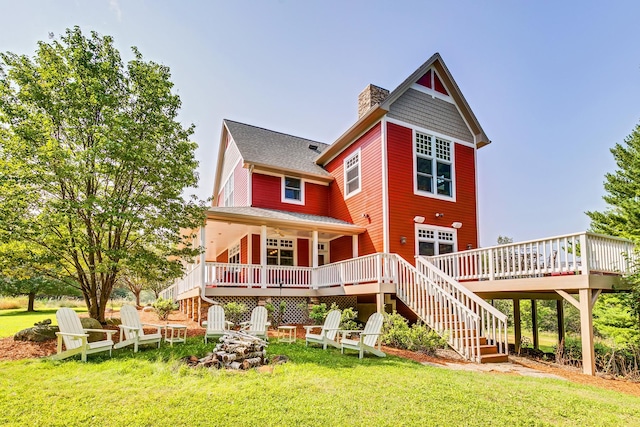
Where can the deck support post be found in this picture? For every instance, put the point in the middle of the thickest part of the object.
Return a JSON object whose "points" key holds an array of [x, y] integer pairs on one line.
{"points": [[534, 324], [586, 332], [380, 302], [199, 310], [517, 325], [263, 256], [560, 311]]}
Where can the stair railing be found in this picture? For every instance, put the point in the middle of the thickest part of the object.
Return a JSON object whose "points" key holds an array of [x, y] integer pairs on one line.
{"points": [[493, 323]]}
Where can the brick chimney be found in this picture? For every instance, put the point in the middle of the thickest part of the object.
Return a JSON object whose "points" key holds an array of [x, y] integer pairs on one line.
{"points": [[370, 96]]}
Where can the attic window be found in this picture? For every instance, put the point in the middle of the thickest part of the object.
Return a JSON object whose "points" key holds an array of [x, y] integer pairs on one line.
{"points": [[431, 80]]}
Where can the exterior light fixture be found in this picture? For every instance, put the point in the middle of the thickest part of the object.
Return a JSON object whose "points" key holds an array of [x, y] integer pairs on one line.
{"points": [[419, 219], [439, 215], [456, 225], [403, 240]]}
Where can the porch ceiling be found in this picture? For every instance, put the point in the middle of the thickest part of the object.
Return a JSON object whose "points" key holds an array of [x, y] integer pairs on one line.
{"points": [[227, 225]]}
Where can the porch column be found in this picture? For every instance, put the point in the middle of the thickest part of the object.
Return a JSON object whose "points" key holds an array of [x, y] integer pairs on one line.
{"points": [[314, 259], [203, 255], [534, 323], [586, 332], [354, 245], [517, 325], [560, 311], [263, 255]]}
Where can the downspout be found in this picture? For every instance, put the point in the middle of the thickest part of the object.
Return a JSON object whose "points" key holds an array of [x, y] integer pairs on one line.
{"points": [[385, 187]]}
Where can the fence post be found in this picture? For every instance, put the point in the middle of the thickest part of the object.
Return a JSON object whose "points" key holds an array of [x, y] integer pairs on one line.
{"points": [[492, 268], [584, 254]]}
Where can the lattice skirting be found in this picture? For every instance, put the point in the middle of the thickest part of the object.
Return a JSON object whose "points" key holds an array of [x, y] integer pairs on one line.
{"points": [[342, 302]]}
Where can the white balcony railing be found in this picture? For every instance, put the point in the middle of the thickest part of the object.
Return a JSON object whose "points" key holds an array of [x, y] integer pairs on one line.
{"points": [[579, 253]]}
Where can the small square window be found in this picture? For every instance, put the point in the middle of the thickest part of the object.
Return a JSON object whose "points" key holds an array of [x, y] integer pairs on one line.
{"points": [[352, 174], [292, 190]]}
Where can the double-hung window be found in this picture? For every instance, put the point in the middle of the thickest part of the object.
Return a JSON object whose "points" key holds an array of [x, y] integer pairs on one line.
{"points": [[292, 190], [352, 174], [228, 191], [434, 174]]}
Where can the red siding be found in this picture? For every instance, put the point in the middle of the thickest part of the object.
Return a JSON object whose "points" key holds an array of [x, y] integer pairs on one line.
{"points": [[404, 205], [303, 252], [340, 249], [267, 193], [255, 249], [368, 201], [425, 80], [244, 250], [223, 257]]}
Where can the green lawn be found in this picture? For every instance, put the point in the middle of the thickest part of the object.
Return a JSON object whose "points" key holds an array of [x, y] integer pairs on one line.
{"points": [[315, 388], [12, 321]]}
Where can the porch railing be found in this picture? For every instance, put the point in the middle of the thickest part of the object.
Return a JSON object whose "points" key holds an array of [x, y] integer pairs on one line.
{"points": [[579, 253]]}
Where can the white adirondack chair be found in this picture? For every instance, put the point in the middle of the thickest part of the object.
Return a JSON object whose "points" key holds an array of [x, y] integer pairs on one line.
{"points": [[132, 332], [75, 337], [368, 337], [258, 324], [216, 324], [328, 333]]}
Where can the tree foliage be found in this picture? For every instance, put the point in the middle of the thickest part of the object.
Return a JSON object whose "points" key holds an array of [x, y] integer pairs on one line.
{"points": [[622, 216], [93, 163]]}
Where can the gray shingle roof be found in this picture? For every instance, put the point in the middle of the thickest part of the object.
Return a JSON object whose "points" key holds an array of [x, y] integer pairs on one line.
{"points": [[278, 215], [266, 147]]}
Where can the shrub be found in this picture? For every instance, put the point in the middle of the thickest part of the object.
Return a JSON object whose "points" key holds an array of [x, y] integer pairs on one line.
{"points": [[397, 333], [164, 307], [348, 320], [234, 311], [319, 312], [276, 316]]}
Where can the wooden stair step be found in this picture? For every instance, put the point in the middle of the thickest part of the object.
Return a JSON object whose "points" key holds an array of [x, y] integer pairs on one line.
{"points": [[494, 358], [486, 349]]}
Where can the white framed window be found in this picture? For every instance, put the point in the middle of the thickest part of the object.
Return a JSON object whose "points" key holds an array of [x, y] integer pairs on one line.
{"points": [[292, 190], [433, 166], [432, 241], [234, 254], [228, 191], [280, 252], [352, 184]]}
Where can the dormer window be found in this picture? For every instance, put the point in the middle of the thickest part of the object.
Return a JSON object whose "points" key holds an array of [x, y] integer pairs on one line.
{"points": [[292, 190], [352, 174]]}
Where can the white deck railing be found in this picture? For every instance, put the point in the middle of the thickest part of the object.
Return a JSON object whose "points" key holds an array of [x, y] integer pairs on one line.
{"points": [[579, 253]]}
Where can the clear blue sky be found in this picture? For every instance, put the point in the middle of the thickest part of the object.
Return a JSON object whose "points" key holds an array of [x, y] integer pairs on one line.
{"points": [[554, 84]]}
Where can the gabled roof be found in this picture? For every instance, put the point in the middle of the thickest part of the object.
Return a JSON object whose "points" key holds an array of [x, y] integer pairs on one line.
{"points": [[268, 149], [378, 111]]}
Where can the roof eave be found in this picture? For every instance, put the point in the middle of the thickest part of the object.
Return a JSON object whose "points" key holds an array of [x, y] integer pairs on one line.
{"points": [[284, 171], [298, 224], [374, 114]]}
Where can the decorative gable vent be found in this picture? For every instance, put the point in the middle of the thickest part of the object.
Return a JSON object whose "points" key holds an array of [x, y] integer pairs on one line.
{"points": [[370, 96]]}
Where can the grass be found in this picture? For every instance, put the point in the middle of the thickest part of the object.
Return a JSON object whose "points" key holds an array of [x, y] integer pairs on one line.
{"points": [[12, 321], [546, 340], [315, 388]]}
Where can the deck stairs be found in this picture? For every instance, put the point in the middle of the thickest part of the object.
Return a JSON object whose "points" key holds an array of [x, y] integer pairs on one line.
{"points": [[470, 325]]}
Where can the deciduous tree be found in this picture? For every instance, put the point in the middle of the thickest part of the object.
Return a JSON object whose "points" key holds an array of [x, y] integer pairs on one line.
{"points": [[93, 162]]}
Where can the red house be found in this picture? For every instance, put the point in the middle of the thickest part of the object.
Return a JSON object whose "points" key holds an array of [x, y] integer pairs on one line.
{"points": [[383, 218]]}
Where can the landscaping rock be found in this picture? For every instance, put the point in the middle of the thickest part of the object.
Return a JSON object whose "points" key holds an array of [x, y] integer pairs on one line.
{"points": [[89, 323], [41, 331], [148, 308]]}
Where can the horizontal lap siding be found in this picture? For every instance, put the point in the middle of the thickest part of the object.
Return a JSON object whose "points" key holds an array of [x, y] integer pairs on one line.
{"points": [[255, 249], [244, 250], [267, 193], [368, 201], [240, 186], [303, 252], [340, 249], [223, 257], [404, 205]]}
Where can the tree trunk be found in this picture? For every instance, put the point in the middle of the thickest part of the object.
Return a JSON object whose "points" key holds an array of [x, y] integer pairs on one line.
{"points": [[32, 299], [137, 295]]}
